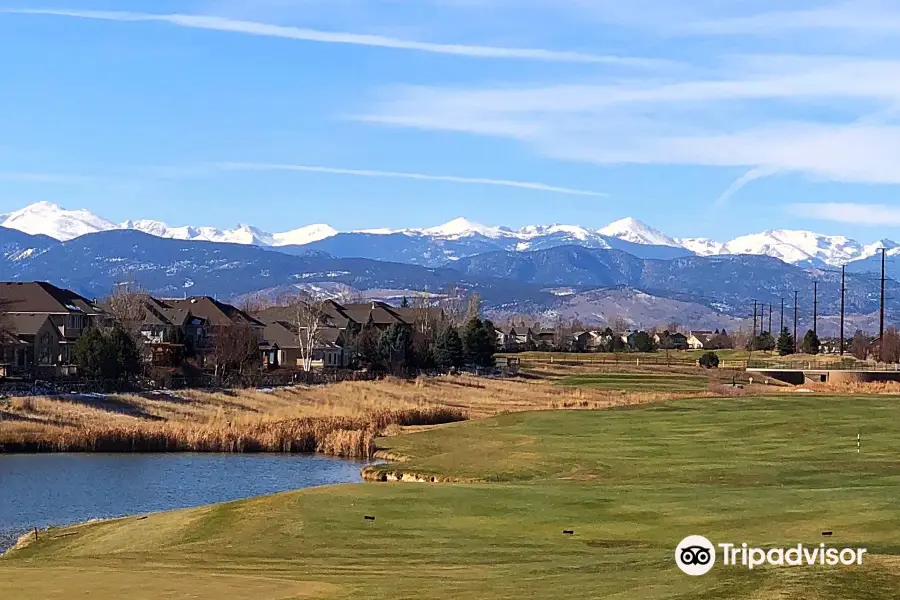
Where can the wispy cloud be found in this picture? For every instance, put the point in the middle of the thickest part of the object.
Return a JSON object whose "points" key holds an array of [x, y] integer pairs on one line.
{"points": [[53, 178], [525, 185], [861, 17], [809, 115], [874, 215], [215, 23]]}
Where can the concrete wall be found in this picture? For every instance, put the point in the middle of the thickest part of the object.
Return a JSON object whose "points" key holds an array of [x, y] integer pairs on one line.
{"points": [[798, 377]]}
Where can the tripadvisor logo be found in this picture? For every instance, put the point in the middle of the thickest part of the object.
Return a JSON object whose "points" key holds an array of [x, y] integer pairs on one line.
{"points": [[696, 555]]}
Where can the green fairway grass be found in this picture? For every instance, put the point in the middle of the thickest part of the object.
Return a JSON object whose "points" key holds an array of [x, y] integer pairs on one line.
{"points": [[640, 382], [630, 483]]}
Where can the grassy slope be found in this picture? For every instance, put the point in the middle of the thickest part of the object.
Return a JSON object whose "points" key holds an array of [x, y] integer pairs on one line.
{"points": [[630, 482], [661, 382]]}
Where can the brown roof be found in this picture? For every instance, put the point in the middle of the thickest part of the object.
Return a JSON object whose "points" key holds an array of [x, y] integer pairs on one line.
{"points": [[281, 334], [214, 312], [332, 335], [284, 335], [26, 324], [379, 313], [433, 314], [333, 313], [43, 297]]}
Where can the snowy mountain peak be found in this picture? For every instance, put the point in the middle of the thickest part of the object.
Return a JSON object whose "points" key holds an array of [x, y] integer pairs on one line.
{"points": [[55, 221], [799, 247], [637, 232], [461, 227], [304, 235]]}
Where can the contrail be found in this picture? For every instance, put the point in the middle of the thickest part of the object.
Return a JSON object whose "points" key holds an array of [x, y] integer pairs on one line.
{"points": [[526, 185], [334, 37], [751, 175]]}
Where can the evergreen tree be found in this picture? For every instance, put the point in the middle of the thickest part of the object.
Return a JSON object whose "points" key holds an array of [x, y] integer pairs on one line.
{"points": [[764, 341], [448, 351], [643, 342], [811, 342], [479, 342], [404, 303], [367, 347], [785, 342], [91, 354], [112, 355], [124, 357], [395, 349]]}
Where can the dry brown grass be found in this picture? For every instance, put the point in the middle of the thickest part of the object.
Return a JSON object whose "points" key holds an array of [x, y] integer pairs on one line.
{"points": [[341, 419], [856, 387]]}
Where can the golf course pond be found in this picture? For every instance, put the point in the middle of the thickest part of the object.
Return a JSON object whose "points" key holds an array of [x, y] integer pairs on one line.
{"points": [[41, 490]]}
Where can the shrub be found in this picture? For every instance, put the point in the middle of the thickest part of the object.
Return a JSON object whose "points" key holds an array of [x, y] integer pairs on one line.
{"points": [[709, 360]]}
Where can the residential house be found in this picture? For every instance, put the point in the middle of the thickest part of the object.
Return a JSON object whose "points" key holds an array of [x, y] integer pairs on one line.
{"points": [[671, 341], [281, 338], [697, 340], [514, 338], [544, 338], [198, 318], [422, 318], [42, 323], [581, 340], [599, 340], [378, 314]]}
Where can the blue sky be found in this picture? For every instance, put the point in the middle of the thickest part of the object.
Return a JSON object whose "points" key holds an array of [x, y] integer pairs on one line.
{"points": [[703, 117]]}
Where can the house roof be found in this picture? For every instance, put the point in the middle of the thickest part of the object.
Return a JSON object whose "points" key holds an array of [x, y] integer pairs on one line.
{"points": [[284, 335], [333, 313], [378, 313], [431, 314], [214, 312], [26, 324], [281, 334], [273, 314], [332, 336], [43, 297]]}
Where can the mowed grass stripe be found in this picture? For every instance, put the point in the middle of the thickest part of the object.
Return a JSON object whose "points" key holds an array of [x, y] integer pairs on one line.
{"points": [[659, 382]]}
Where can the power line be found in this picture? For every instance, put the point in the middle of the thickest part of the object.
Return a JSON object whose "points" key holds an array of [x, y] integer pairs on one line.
{"points": [[815, 308], [843, 289], [795, 321]]}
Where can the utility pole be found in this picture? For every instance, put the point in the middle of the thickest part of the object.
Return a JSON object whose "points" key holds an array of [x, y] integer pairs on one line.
{"points": [[816, 307], [770, 318], [843, 288], [781, 328], [754, 320], [881, 325], [795, 321]]}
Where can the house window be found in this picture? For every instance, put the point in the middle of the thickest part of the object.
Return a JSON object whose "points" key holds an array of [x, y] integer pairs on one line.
{"points": [[76, 321], [44, 357]]}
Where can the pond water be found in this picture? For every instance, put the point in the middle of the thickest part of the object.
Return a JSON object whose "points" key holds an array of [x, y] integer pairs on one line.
{"points": [[39, 490]]}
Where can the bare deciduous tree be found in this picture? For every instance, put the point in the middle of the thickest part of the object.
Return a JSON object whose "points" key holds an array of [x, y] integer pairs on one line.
{"points": [[425, 319], [127, 306], [236, 350], [859, 345], [473, 307], [454, 305], [308, 318], [891, 346]]}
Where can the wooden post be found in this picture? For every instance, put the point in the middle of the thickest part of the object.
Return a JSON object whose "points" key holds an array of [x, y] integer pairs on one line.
{"points": [[35, 534]]}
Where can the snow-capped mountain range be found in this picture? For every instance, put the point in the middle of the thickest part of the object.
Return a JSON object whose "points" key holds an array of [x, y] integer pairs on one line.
{"points": [[791, 246]]}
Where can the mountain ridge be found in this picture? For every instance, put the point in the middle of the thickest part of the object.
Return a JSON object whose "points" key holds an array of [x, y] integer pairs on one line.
{"points": [[460, 238]]}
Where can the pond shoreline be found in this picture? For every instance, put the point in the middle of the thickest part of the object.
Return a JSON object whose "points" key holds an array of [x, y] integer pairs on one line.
{"points": [[61, 490]]}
